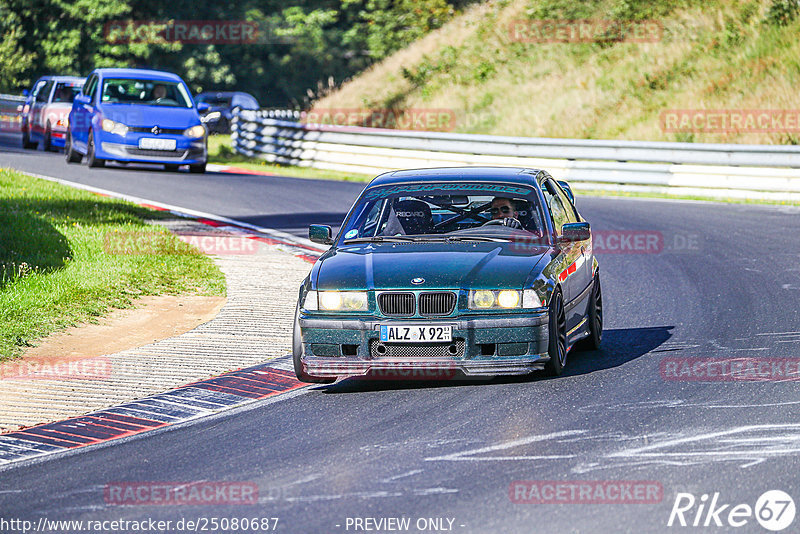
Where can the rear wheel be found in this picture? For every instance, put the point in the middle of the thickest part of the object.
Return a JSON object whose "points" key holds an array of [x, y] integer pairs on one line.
{"points": [[557, 326], [70, 153], [595, 318], [26, 140], [297, 355], [92, 160]]}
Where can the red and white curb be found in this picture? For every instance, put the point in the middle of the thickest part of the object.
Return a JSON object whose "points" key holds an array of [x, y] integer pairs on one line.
{"points": [[192, 401]]}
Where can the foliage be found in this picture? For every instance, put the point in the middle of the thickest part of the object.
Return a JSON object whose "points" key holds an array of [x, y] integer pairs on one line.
{"points": [[299, 44]]}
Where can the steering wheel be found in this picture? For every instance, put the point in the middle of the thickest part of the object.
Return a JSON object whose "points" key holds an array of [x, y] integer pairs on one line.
{"points": [[510, 222]]}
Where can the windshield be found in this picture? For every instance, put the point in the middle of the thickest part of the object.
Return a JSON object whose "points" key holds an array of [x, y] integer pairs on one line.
{"points": [[66, 91], [149, 92], [445, 211]]}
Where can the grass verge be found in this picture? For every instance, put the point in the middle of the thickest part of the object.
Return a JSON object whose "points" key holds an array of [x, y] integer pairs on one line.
{"points": [[57, 270]]}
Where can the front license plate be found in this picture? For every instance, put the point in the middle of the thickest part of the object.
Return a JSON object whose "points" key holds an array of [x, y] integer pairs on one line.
{"points": [[157, 144], [406, 333]]}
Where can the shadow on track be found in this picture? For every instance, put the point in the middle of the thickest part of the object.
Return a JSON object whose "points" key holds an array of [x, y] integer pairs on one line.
{"points": [[620, 346]]}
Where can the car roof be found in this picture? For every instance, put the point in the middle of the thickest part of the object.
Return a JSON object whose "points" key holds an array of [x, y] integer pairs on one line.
{"points": [[226, 93], [139, 74], [63, 78], [459, 174]]}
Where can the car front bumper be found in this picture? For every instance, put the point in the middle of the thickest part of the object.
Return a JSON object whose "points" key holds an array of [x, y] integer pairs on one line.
{"points": [[187, 153], [487, 346]]}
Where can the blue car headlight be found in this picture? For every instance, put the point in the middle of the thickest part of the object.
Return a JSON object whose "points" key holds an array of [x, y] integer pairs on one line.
{"points": [[114, 127], [195, 131]]}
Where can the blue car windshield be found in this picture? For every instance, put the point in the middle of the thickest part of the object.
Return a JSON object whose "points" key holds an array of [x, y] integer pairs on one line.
{"points": [[445, 210], [147, 92]]}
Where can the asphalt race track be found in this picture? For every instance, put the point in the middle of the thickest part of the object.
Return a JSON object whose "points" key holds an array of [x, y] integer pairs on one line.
{"points": [[724, 282]]}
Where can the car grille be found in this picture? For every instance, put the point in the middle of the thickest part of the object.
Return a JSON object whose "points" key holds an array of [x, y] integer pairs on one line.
{"points": [[417, 350], [156, 153], [441, 303], [404, 304], [146, 129], [397, 304]]}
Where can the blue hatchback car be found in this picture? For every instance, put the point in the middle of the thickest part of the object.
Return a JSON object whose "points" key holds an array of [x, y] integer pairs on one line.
{"points": [[136, 115]]}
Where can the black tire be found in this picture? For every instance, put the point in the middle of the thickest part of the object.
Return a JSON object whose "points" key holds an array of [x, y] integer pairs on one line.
{"points": [[171, 167], [198, 168], [71, 155], [595, 318], [297, 354], [47, 144], [557, 347], [91, 159], [26, 140]]}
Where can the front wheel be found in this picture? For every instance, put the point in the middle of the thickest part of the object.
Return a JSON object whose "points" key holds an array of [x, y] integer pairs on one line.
{"points": [[70, 153], [198, 168], [557, 326], [47, 144], [92, 160], [26, 140], [297, 355], [595, 318]]}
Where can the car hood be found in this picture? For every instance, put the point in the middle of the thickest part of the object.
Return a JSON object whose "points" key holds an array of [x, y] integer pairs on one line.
{"points": [[149, 116], [441, 265]]}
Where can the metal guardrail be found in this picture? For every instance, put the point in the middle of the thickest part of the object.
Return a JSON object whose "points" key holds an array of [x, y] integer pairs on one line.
{"points": [[746, 171], [11, 112]]}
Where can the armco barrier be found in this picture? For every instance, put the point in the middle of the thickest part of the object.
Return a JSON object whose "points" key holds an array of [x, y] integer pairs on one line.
{"points": [[702, 169], [10, 112]]}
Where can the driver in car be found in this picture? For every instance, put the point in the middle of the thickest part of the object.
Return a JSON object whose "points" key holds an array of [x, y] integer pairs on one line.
{"points": [[504, 213], [159, 92]]}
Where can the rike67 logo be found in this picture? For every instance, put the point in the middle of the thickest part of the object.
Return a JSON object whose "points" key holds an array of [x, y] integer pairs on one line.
{"points": [[774, 510]]}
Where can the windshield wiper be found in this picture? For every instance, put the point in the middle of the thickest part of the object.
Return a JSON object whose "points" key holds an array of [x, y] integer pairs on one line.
{"points": [[380, 239], [483, 238]]}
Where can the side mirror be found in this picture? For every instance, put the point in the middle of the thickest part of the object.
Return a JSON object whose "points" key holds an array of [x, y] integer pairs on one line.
{"points": [[572, 232], [320, 233], [202, 107], [83, 99], [25, 92], [568, 190]]}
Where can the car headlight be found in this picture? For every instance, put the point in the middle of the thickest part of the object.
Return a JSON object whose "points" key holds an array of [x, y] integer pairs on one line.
{"points": [[336, 301], [195, 131], [114, 127], [503, 299]]}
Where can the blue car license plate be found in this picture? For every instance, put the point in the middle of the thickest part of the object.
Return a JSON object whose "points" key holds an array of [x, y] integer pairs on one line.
{"points": [[406, 333]]}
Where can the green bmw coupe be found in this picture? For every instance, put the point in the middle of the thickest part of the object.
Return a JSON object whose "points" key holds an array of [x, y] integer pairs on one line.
{"points": [[478, 270]]}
